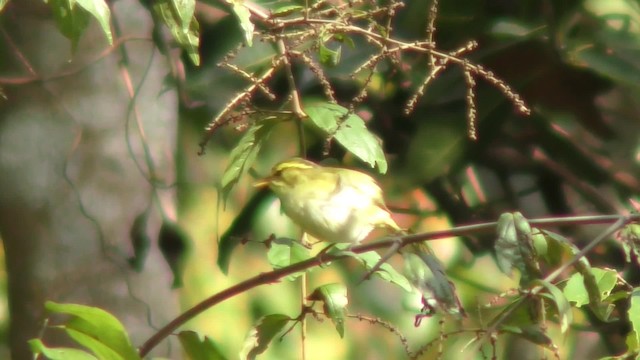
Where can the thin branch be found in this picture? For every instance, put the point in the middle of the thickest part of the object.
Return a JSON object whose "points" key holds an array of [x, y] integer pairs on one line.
{"points": [[274, 276]]}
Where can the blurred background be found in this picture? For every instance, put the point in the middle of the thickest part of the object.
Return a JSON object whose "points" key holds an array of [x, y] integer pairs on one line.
{"points": [[99, 166]]}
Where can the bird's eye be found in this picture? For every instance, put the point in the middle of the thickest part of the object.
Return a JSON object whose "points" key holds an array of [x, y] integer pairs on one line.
{"points": [[277, 173]]}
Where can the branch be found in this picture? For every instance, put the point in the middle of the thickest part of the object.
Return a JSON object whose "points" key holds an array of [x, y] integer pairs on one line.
{"points": [[323, 258]]}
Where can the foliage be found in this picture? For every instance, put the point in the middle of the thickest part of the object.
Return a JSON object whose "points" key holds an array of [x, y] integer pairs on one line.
{"points": [[370, 83]]}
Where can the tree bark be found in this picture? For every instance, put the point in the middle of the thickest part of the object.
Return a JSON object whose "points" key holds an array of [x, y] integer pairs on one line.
{"points": [[70, 187]]}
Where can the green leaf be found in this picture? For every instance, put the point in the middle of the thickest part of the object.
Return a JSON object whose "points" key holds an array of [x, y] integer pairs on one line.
{"points": [[531, 333], [187, 37], [244, 154], [514, 246], [328, 56], [140, 241], [184, 9], [2, 4], [385, 272], [562, 304], [58, 353], [99, 10], [630, 237], [199, 349], [240, 227], [350, 132], [634, 318], [284, 252], [244, 16], [71, 20], [262, 334], [334, 297], [286, 10], [102, 351], [173, 242], [576, 289], [98, 324]]}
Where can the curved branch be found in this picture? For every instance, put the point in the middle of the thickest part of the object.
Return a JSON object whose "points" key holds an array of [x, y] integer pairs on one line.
{"points": [[273, 276]]}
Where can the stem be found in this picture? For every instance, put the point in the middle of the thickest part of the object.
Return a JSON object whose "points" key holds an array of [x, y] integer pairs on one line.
{"points": [[303, 321], [273, 276]]}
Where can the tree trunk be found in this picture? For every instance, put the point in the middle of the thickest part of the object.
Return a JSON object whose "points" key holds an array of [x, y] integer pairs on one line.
{"points": [[70, 186]]}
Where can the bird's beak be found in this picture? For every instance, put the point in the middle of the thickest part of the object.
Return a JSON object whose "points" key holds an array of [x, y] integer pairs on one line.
{"points": [[262, 182]]}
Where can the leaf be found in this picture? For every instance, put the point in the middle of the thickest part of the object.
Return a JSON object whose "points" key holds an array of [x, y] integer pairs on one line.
{"points": [[328, 56], [173, 242], [284, 252], [514, 246], [199, 349], [350, 132], [286, 10], [385, 272], [140, 241], [102, 351], [531, 333], [630, 237], [2, 4], [611, 53], [99, 10], [576, 289], [261, 335], [240, 228], [634, 319], [184, 9], [187, 37], [562, 304], [71, 20], [98, 324], [244, 154], [58, 353], [244, 16], [334, 297]]}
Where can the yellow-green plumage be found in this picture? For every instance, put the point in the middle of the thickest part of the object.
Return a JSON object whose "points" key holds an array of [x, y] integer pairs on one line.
{"points": [[331, 204]]}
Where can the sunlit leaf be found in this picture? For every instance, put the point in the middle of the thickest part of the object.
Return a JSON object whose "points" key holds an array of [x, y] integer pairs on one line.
{"points": [[99, 10], [244, 154], [58, 353], [335, 300], [244, 16], [102, 351], [350, 131], [98, 324], [575, 290], [187, 37], [262, 334], [284, 252]]}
